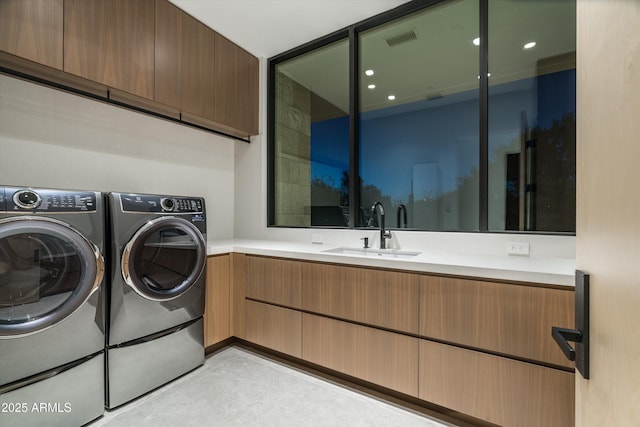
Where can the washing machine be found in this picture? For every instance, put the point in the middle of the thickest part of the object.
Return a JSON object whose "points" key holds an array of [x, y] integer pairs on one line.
{"points": [[156, 292], [52, 307]]}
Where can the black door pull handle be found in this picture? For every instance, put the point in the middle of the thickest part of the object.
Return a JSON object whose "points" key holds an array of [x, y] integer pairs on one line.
{"points": [[562, 336], [579, 335]]}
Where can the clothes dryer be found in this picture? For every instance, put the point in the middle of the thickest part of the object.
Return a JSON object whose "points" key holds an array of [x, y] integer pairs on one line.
{"points": [[157, 285], [52, 320]]}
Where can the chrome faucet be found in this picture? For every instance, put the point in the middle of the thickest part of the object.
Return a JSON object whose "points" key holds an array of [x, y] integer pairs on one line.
{"points": [[384, 234]]}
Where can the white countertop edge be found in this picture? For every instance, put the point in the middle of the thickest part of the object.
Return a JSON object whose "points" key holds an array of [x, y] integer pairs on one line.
{"points": [[551, 271]]}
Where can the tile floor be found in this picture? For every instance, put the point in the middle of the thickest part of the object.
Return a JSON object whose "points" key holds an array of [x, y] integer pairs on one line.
{"points": [[236, 387]]}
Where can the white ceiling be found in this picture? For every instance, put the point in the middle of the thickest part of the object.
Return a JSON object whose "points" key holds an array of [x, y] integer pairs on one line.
{"points": [[269, 27]]}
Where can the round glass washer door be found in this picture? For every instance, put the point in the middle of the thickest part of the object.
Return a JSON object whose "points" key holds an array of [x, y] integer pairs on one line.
{"points": [[47, 271], [164, 259]]}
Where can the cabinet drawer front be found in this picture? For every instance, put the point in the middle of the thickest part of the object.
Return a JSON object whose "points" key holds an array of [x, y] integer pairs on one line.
{"points": [[273, 327], [496, 389], [504, 318], [375, 297], [384, 358], [273, 280]]}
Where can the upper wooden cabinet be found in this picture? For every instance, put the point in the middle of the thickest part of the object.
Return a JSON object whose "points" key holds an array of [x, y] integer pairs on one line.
{"points": [[32, 30], [144, 53], [184, 61], [236, 87], [111, 42]]}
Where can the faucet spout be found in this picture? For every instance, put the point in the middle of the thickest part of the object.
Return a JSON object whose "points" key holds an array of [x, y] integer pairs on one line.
{"points": [[378, 208], [402, 215]]}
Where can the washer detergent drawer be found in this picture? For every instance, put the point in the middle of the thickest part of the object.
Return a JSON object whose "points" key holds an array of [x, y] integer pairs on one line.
{"points": [[136, 369], [71, 398]]}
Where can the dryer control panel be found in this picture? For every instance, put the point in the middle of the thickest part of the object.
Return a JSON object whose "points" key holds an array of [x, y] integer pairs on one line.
{"points": [[13, 199], [161, 204]]}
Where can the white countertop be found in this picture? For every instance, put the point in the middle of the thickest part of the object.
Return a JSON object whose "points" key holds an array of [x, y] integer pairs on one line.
{"points": [[552, 271]]}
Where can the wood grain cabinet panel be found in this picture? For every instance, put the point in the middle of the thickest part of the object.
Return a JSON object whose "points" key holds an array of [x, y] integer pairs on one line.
{"points": [[184, 61], [238, 284], [273, 280], [384, 358], [236, 87], [496, 389], [503, 318], [375, 297], [33, 30], [217, 311], [274, 327], [111, 42]]}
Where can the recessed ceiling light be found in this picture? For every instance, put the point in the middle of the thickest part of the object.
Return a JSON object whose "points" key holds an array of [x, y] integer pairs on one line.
{"points": [[368, 72], [371, 86], [529, 45], [391, 97], [476, 41]]}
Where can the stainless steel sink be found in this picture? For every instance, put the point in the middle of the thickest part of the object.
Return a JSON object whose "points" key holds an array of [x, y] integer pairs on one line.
{"points": [[373, 253]]}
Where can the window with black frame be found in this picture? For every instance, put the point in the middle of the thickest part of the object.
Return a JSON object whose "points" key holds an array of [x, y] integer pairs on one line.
{"points": [[429, 138], [311, 138]]}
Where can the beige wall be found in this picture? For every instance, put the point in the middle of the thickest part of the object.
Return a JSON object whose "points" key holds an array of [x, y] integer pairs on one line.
{"points": [[608, 206], [50, 138]]}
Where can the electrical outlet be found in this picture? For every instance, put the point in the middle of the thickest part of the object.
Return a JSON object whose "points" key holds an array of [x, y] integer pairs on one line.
{"points": [[316, 238], [518, 248]]}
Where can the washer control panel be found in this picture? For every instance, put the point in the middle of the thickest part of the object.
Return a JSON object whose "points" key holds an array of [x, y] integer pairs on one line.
{"points": [[164, 204], [14, 199]]}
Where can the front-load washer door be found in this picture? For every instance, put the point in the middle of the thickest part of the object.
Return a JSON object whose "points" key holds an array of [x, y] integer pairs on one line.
{"points": [[164, 259], [47, 271]]}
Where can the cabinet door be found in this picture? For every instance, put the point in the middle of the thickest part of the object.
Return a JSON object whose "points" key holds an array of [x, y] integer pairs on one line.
{"points": [[111, 42], [184, 61], [236, 87], [384, 358], [274, 327], [273, 280], [375, 297], [32, 30], [218, 299], [500, 317], [496, 389]]}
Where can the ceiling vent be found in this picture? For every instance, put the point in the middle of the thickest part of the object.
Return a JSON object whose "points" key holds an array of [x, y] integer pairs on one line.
{"points": [[401, 38]]}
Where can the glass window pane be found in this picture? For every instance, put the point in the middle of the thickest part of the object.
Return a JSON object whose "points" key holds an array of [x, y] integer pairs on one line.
{"points": [[419, 127], [311, 147], [532, 107]]}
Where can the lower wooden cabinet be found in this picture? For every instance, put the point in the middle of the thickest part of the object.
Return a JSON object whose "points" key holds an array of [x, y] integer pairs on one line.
{"points": [[476, 347], [502, 391], [388, 299], [273, 327], [503, 318], [384, 358], [217, 324], [273, 280]]}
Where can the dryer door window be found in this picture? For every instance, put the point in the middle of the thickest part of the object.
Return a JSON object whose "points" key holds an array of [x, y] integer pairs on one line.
{"points": [[164, 259], [47, 271]]}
